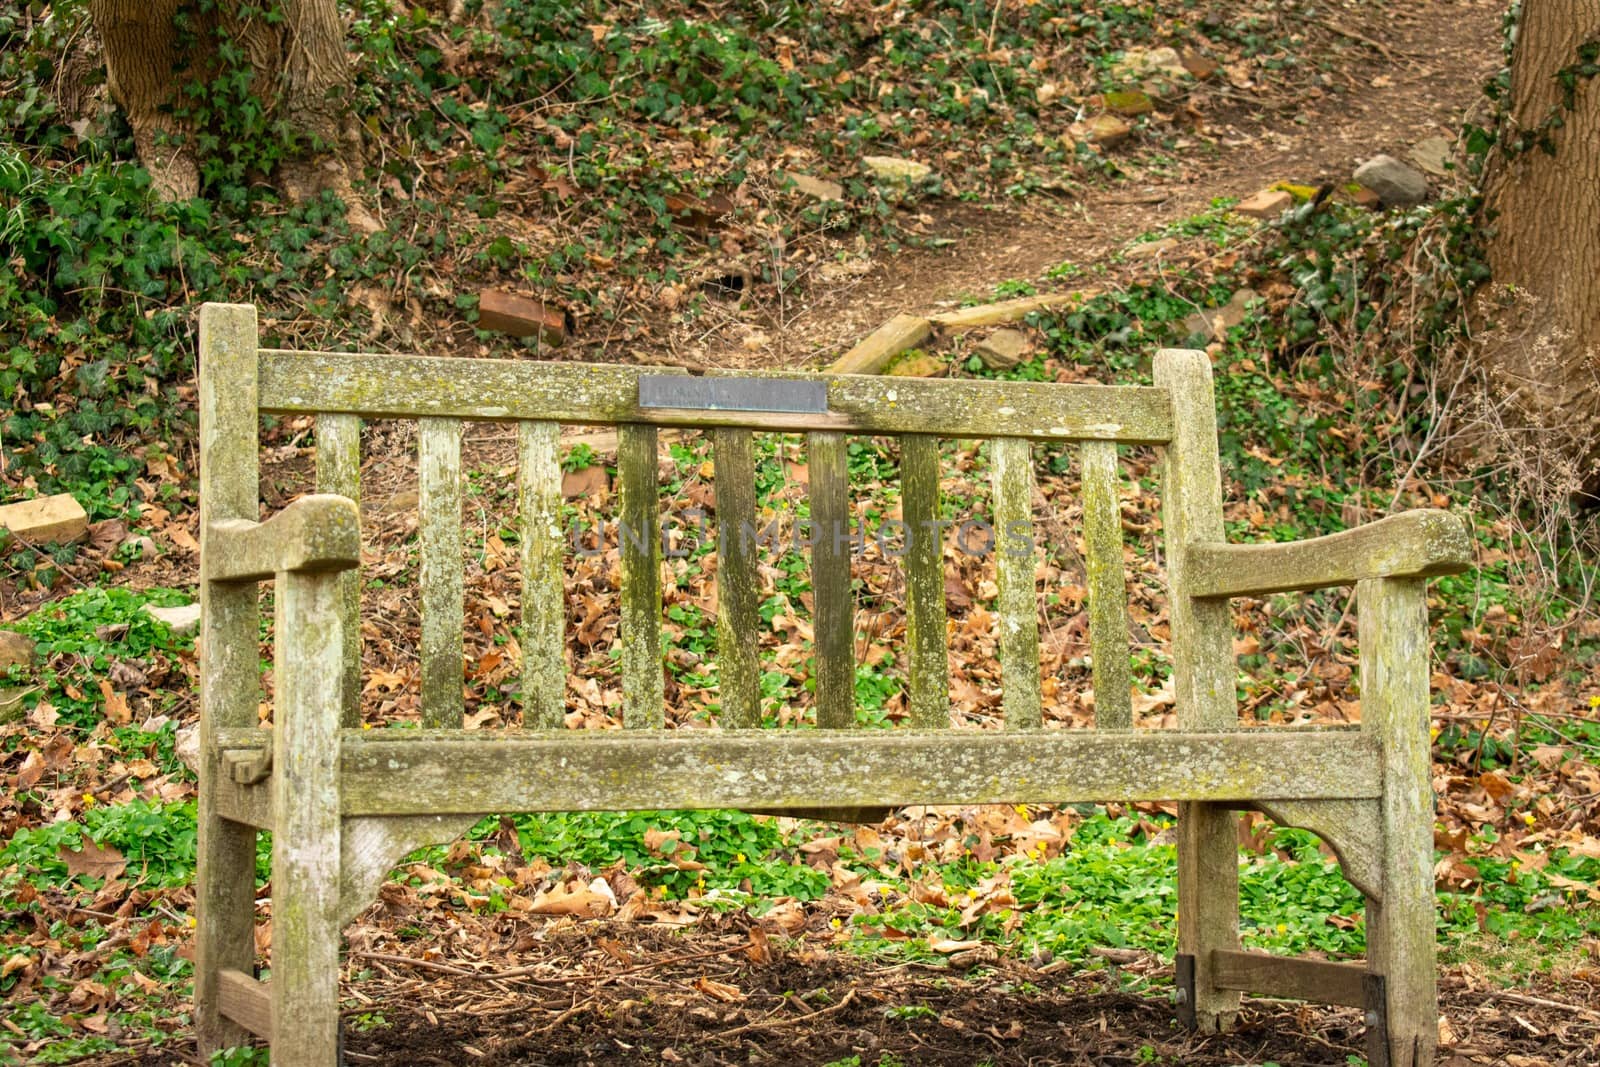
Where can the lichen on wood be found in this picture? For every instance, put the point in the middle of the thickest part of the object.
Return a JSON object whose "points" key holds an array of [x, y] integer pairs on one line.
{"points": [[463, 772], [439, 585], [1016, 561], [738, 586], [833, 604], [1108, 596], [230, 664], [544, 597], [1202, 675], [1413, 544], [926, 640], [599, 393], [339, 473], [643, 683]]}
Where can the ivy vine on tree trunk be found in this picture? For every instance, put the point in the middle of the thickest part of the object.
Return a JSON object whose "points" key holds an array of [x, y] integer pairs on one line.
{"points": [[1543, 194], [220, 94]]}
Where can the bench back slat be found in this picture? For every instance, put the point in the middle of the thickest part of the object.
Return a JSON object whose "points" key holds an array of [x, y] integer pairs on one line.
{"points": [[1108, 595], [833, 604], [927, 643], [543, 640], [1017, 604], [408, 387], [643, 684], [439, 530], [738, 587], [339, 471]]}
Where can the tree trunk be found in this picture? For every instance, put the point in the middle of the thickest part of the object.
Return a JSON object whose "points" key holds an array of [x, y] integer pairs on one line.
{"points": [[142, 53], [1546, 210], [299, 65]]}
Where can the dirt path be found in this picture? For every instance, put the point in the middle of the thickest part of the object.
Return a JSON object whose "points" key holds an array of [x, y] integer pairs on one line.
{"points": [[1425, 69]]}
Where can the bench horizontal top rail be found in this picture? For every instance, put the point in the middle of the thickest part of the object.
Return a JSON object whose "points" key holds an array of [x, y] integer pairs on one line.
{"points": [[456, 772], [379, 386]]}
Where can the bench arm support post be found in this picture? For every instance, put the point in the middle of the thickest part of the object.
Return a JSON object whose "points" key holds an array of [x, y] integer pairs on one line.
{"points": [[1393, 634], [306, 818], [1202, 680]]}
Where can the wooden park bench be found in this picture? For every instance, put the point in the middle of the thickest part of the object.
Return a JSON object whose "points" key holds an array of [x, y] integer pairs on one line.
{"points": [[345, 805]]}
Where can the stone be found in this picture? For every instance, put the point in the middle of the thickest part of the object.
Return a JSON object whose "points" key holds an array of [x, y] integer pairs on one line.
{"points": [[1139, 63], [522, 316], [1214, 324], [16, 650], [893, 169], [11, 705], [817, 188], [181, 620], [1434, 155], [187, 747], [1396, 183], [1004, 349], [1266, 204], [920, 365], [1108, 131], [43, 520]]}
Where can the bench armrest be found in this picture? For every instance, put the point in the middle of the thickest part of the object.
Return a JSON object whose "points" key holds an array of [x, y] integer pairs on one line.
{"points": [[1413, 544], [315, 534]]}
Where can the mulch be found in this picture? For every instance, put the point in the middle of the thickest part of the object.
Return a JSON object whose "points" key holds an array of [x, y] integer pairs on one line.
{"points": [[720, 993]]}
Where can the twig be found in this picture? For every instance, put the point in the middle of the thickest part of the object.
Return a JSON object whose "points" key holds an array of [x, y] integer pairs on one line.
{"points": [[1344, 31], [529, 971], [1570, 716], [1539, 1002], [577, 1009], [774, 1024]]}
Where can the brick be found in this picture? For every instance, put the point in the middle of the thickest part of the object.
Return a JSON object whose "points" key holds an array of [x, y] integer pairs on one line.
{"points": [[522, 316], [44, 519], [1267, 204]]}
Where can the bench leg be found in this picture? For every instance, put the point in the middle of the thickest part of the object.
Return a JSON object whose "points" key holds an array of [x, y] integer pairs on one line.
{"points": [[224, 920], [305, 844], [1401, 935], [1208, 907]]}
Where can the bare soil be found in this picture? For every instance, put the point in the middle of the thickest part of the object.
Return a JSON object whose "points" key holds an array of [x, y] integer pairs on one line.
{"points": [[604, 993], [1426, 64]]}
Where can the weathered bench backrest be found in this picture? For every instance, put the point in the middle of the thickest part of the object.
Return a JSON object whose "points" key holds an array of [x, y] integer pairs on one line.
{"points": [[441, 394], [455, 771]]}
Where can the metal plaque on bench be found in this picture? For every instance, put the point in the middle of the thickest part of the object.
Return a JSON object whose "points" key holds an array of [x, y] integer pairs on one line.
{"points": [[686, 392]]}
